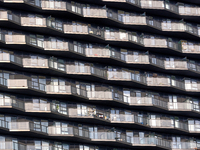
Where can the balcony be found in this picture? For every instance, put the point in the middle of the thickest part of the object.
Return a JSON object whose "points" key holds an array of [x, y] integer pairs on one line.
{"points": [[97, 52], [54, 5], [11, 103], [188, 47], [151, 4], [94, 12], [56, 46], [85, 70], [38, 107], [151, 142], [15, 39], [176, 65], [27, 127], [35, 63], [158, 81], [183, 107], [100, 95], [134, 20], [148, 101], [33, 21], [110, 138], [192, 86], [59, 89], [3, 15], [137, 59], [8, 57], [189, 10], [116, 36], [10, 145], [155, 42], [169, 124], [76, 29], [68, 133]]}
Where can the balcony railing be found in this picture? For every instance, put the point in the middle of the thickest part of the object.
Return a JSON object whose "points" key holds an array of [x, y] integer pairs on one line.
{"points": [[144, 59], [56, 45], [95, 12], [3, 15], [67, 131], [97, 52], [58, 89], [116, 36], [158, 81], [9, 102], [75, 29], [105, 136], [35, 63], [15, 39], [37, 107], [148, 42], [54, 5], [189, 10], [33, 21], [134, 20], [151, 4], [100, 95], [27, 126], [180, 65]]}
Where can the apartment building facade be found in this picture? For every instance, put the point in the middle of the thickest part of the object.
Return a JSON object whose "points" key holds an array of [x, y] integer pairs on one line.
{"points": [[99, 74]]}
